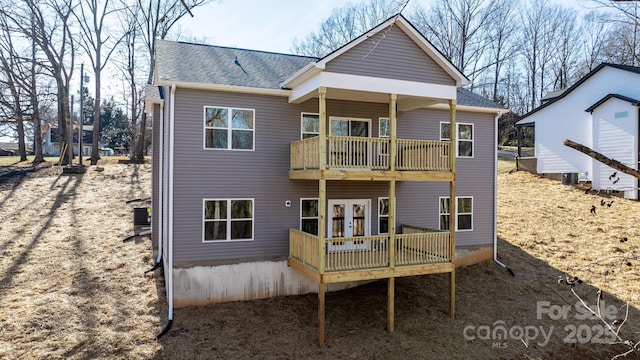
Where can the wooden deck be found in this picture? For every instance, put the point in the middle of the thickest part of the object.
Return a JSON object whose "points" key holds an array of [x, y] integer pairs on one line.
{"points": [[367, 258], [413, 160]]}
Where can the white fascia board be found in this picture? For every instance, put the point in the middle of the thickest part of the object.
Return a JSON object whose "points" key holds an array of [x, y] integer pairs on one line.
{"points": [[470, 109], [227, 88], [300, 92], [387, 86], [148, 104], [301, 75], [372, 84]]}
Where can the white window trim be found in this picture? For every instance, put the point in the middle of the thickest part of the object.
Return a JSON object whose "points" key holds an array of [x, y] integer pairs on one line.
{"points": [[331, 202], [473, 137], [380, 215], [309, 217], [302, 123], [228, 239], [229, 128], [457, 213], [331, 118], [380, 127]]}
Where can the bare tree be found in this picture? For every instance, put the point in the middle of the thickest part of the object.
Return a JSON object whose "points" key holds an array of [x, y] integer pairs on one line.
{"points": [[98, 43], [458, 29], [564, 61], [595, 29], [539, 30], [154, 19], [502, 47], [47, 23], [13, 71], [345, 24]]}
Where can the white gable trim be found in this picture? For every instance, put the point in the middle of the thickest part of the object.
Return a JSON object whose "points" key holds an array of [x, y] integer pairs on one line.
{"points": [[414, 35], [316, 67], [370, 84]]}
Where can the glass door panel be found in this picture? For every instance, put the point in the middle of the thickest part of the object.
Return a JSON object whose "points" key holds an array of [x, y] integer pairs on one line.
{"points": [[348, 219]]}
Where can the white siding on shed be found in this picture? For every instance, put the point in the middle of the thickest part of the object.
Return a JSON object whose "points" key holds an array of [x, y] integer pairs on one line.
{"points": [[567, 119], [614, 137]]}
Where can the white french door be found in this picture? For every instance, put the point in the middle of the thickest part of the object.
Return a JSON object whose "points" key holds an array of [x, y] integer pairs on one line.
{"points": [[348, 219]]}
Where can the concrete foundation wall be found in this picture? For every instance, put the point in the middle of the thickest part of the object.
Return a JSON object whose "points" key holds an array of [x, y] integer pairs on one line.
{"points": [[529, 164], [202, 285]]}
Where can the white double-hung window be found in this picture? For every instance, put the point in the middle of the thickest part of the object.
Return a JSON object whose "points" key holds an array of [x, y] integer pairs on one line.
{"points": [[227, 220], [229, 128], [464, 138]]}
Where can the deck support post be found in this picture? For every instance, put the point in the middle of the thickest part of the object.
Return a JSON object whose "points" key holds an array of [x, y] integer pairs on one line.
{"points": [[390, 306], [393, 100], [453, 151], [321, 295], [452, 294]]}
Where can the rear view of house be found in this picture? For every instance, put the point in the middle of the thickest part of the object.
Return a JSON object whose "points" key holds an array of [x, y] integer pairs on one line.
{"points": [[599, 111], [278, 174]]}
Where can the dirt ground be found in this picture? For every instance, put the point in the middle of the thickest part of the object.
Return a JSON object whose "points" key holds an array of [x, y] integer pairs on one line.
{"points": [[70, 288]]}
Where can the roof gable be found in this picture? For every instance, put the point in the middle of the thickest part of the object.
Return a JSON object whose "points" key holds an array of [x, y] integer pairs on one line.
{"points": [[633, 69], [395, 35], [390, 54], [632, 101]]}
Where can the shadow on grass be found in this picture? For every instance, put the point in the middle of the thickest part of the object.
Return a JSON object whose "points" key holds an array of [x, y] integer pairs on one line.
{"points": [[66, 191], [487, 298]]}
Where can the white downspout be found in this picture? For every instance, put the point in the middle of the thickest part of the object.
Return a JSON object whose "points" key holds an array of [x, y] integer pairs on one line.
{"points": [[169, 251], [495, 197], [160, 183]]}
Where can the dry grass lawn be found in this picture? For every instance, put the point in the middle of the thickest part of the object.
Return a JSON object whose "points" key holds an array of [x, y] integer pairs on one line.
{"points": [[69, 287]]}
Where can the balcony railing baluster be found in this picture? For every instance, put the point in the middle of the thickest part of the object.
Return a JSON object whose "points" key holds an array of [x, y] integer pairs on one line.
{"points": [[347, 152]]}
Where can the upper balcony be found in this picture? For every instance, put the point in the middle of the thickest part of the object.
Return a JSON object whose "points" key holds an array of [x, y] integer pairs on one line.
{"points": [[366, 158]]}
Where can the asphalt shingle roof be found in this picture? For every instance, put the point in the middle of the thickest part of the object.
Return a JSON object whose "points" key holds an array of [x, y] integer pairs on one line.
{"points": [[210, 64], [207, 64]]}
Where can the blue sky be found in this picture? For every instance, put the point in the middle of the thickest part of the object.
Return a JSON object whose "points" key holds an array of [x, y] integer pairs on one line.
{"points": [[268, 25], [260, 24]]}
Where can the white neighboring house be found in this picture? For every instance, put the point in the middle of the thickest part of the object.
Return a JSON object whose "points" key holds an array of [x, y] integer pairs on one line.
{"points": [[51, 145], [599, 111]]}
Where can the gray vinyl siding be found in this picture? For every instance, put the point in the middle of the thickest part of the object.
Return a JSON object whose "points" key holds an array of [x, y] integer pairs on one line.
{"points": [[474, 176], [262, 174], [395, 56]]}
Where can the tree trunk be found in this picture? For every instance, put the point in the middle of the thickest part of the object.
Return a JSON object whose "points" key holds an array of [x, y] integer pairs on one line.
{"points": [[37, 128], [95, 151], [603, 159]]}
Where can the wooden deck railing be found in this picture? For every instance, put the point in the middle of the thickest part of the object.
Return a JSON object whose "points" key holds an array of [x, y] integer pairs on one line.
{"points": [[346, 152], [417, 246], [422, 245], [305, 154], [350, 152], [423, 155]]}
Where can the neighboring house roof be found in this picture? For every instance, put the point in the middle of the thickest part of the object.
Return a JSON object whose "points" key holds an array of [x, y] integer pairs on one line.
{"points": [[552, 95], [152, 92], [634, 69], [469, 98], [633, 102]]}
